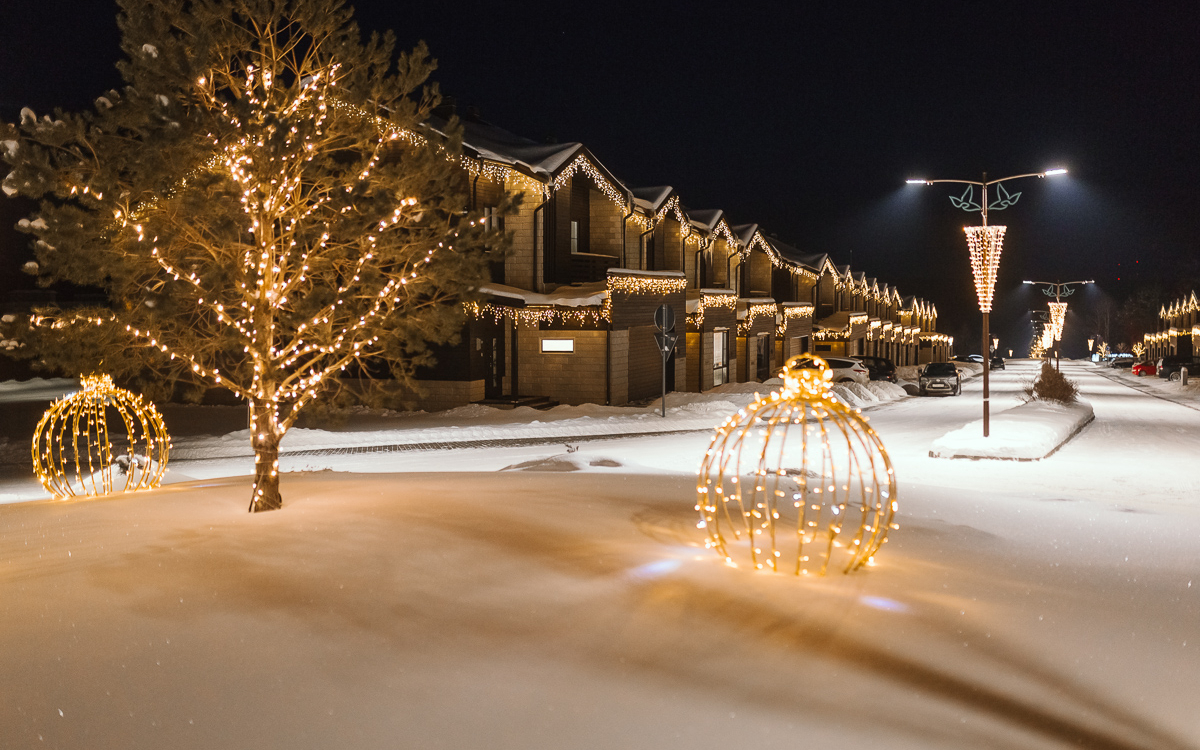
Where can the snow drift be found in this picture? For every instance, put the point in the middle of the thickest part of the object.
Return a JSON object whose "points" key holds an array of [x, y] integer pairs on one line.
{"points": [[1027, 432]]}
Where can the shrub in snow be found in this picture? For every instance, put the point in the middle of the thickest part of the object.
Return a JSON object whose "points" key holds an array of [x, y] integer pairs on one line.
{"points": [[1052, 385]]}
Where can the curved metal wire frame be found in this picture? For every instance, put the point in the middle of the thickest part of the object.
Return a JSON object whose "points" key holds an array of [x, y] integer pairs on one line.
{"points": [[73, 452], [840, 483]]}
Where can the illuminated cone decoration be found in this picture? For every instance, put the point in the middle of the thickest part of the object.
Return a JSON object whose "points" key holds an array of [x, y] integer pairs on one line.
{"points": [[797, 482], [79, 448], [985, 244], [1058, 315]]}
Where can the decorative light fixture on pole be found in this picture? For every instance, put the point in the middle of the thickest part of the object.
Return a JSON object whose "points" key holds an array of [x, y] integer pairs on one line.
{"points": [[1058, 308], [984, 243]]}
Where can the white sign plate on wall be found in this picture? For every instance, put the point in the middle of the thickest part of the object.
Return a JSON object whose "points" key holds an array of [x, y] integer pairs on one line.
{"points": [[558, 345]]}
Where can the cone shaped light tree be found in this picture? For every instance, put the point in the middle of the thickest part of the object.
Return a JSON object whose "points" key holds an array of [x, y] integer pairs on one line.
{"points": [[261, 203], [984, 243], [1058, 312]]}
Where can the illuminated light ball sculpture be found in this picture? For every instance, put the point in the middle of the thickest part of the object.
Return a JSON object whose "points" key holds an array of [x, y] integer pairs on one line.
{"points": [[78, 450], [797, 482]]}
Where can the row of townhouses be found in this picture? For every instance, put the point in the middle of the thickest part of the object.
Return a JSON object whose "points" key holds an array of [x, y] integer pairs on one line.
{"points": [[1179, 331], [569, 314]]}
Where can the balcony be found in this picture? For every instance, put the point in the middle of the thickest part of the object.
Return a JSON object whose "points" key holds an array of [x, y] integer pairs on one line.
{"points": [[589, 267]]}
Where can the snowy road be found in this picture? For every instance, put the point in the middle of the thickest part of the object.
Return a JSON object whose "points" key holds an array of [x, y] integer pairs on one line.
{"points": [[567, 602]]}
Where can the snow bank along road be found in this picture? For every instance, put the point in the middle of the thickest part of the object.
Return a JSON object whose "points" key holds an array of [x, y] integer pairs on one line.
{"points": [[568, 602]]}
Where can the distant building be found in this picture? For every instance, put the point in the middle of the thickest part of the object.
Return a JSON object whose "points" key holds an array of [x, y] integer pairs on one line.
{"points": [[568, 315], [1179, 332]]}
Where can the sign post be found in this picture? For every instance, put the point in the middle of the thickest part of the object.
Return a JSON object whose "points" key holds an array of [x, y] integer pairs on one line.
{"points": [[664, 321]]}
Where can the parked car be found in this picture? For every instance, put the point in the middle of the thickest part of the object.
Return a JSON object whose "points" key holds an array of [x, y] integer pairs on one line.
{"points": [[997, 362], [977, 358], [940, 378], [1169, 367], [879, 368], [844, 370], [1145, 367], [1121, 364]]}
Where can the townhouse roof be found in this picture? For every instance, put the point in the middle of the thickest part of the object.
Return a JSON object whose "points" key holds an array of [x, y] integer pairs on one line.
{"points": [[744, 232], [706, 218], [485, 140], [583, 295], [652, 198]]}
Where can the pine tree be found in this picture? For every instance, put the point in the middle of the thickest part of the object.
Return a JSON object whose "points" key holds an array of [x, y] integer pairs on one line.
{"points": [[261, 203]]}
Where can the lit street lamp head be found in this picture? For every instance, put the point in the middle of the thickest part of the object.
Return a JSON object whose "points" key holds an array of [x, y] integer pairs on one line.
{"points": [[1052, 172]]}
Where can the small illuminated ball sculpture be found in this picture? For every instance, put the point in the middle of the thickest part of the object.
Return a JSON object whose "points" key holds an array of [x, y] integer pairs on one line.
{"points": [[76, 451], [797, 482]]}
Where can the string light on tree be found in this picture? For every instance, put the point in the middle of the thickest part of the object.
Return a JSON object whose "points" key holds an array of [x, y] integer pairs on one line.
{"points": [[797, 482], [307, 226]]}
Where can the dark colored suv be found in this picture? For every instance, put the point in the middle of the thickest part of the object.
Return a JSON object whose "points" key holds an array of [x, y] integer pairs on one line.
{"points": [[940, 377], [1169, 367], [879, 368]]}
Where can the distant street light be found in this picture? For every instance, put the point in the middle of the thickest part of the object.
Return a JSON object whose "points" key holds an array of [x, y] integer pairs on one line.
{"points": [[984, 244], [1058, 309]]}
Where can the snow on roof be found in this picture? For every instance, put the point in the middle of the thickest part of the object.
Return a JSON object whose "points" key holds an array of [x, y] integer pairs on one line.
{"points": [[584, 295], [838, 320], [497, 144], [789, 253], [744, 232], [706, 218], [636, 272], [652, 197]]}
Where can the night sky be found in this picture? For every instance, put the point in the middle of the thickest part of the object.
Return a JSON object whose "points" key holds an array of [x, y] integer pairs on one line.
{"points": [[807, 117]]}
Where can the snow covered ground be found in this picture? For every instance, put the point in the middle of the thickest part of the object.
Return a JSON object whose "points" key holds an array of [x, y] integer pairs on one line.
{"points": [[559, 596]]}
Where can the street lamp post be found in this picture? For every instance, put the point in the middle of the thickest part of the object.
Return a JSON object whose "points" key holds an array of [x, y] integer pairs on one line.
{"points": [[985, 243], [1058, 309]]}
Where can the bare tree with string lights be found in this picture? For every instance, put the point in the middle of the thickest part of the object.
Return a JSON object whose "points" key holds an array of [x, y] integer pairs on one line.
{"points": [[260, 204]]}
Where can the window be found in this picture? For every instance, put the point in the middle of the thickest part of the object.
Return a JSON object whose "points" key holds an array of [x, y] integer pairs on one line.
{"points": [[491, 219], [720, 340], [574, 236], [558, 345]]}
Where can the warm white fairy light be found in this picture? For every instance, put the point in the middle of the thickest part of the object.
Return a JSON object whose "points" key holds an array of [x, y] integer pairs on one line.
{"points": [[73, 446], [654, 285], [797, 482], [790, 312], [712, 299], [985, 244], [534, 315], [624, 283], [825, 334], [777, 260], [582, 164], [1058, 316], [754, 311]]}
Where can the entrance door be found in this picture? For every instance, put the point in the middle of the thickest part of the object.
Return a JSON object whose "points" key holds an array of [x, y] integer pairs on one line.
{"points": [[493, 383], [763, 359]]}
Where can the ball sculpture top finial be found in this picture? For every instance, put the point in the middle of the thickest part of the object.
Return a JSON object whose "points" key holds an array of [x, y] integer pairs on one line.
{"points": [[797, 481], [77, 452]]}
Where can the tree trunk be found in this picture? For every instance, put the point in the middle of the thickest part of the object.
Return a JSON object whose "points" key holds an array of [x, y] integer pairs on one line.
{"points": [[265, 437]]}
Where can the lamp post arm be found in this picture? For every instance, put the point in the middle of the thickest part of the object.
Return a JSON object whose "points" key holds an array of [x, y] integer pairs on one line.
{"points": [[1014, 177], [964, 182]]}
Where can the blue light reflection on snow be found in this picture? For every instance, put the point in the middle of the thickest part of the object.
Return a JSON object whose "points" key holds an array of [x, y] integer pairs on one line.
{"points": [[879, 602], [655, 569]]}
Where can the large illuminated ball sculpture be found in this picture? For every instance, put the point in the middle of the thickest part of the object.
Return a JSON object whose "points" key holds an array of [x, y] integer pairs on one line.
{"points": [[102, 439], [797, 482]]}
